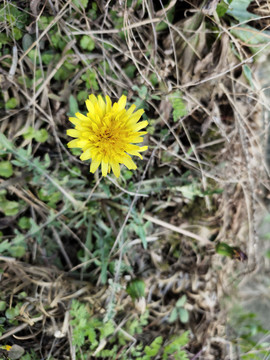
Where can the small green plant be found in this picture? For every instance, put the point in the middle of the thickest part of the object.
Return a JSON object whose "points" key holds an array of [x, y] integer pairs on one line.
{"points": [[6, 169], [250, 333], [39, 135], [100, 338], [179, 312], [9, 208], [175, 348], [14, 19], [136, 289], [165, 350], [178, 104], [11, 103], [88, 330]]}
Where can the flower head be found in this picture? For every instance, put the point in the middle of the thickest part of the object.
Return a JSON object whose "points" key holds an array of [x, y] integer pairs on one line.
{"points": [[107, 134]]}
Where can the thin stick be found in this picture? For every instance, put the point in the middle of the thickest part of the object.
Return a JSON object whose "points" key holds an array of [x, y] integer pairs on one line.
{"points": [[177, 229]]}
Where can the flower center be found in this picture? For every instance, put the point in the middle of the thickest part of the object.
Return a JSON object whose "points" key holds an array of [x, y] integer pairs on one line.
{"points": [[110, 138], [106, 135]]}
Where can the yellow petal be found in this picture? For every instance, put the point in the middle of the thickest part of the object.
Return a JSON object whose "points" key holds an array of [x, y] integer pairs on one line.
{"points": [[142, 133], [73, 144], [82, 143], [82, 117], [135, 117], [90, 106], [122, 102], [131, 147], [136, 140], [135, 150], [73, 133], [140, 125], [101, 104], [6, 347], [115, 168], [104, 168], [131, 109], [108, 104], [98, 111], [94, 165], [143, 148], [95, 127], [86, 155], [75, 121], [93, 99], [127, 161]]}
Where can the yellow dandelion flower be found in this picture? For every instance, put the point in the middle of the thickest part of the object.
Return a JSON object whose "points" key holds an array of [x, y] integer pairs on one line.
{"points": [[6, 347], [108, 133]]}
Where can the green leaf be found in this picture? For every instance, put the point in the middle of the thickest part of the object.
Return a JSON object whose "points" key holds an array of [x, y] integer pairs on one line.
{"points": [[12, 313], [181, 302], [154, 79], [17, 251], [80, 3], [27, 41], [17, 33], [3, 305], [142, 91], [92, 13], [174, 347], [173, 316], [73, 106], [59, 41], [224, 249], [41, 135], [50, 197], [222, 8], [3, 39], [29, 134], [154, 347], [238, 9], [33, 55], [5, 143], [164, 25], [248, 74], [47, 58], [136, 289], [4, 246], [183, 315], [90, 79], [44, 21], [22, 295], [24, 223], [255, 39], [11, 103], [6, 169], [87, 43], [65, 71], [142, 235], [82, 95], [9, 208], [190, 191], [130, 70], [179, 107], [13, 19], [106, 329]]}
